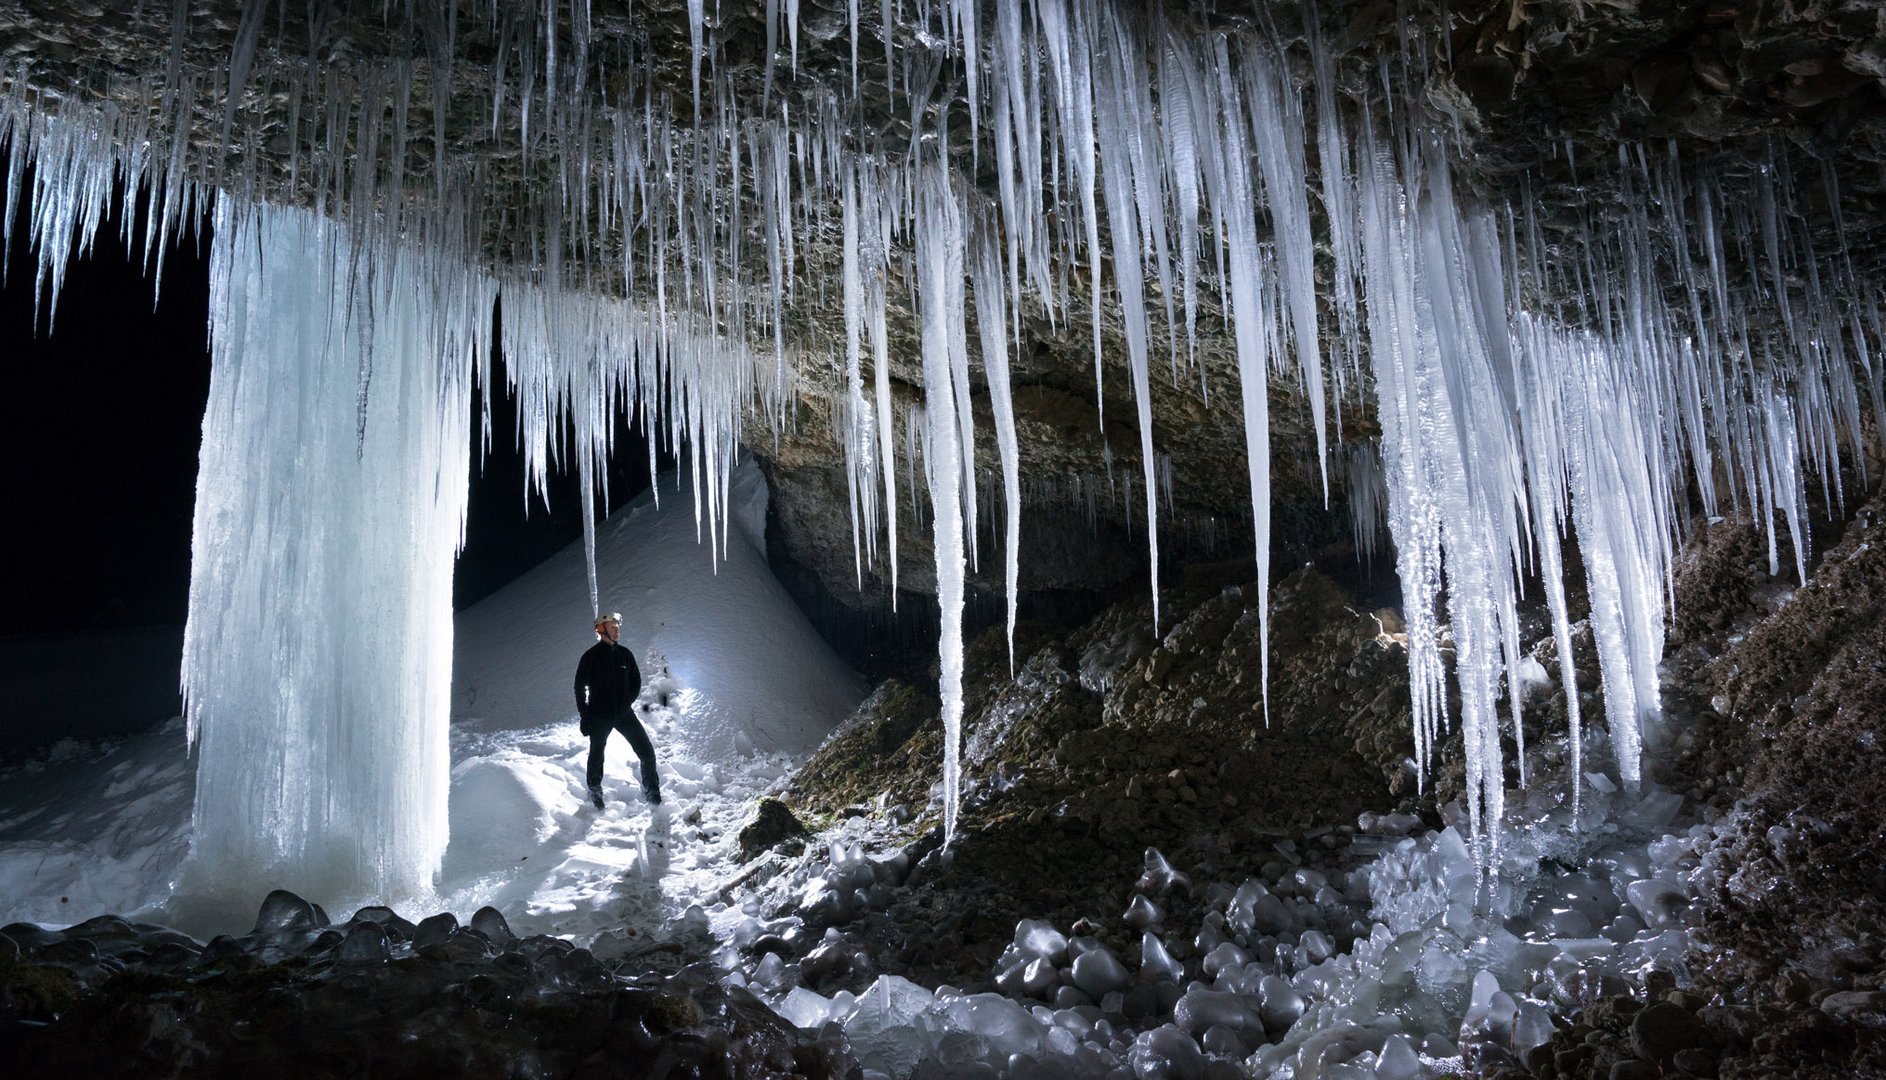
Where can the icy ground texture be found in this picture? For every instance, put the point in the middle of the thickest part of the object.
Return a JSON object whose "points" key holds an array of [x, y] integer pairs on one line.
{"points": [[750, 688], [1442, 974], [1342, 932]]}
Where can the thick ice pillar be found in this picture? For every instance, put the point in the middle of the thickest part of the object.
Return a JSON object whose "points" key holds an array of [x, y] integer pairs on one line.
{"points": [[330, 505]]}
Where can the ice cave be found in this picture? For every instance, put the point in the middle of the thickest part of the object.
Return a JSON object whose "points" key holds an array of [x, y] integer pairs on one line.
{"points": [[1158, 539]]}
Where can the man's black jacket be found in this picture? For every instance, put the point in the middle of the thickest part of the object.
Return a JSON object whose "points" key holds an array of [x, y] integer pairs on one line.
{"points": [[607, 683]]}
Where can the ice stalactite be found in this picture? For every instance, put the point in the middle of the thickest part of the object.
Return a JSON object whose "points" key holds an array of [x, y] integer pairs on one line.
{"points": [[857, 433], [1612, 473], [317, 660], [1179, 133], [1543, 405], [992, 325], [939, 258], [1070, 58], [1335, 173], [1277, 137], [1235, 211], [1447, 397], [1127, 183], [876, 215], [1363, 475]]}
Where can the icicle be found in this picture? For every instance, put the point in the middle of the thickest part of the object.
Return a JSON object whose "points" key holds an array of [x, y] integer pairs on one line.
{"points": [[991, 323], [854, 390], [964, 14], [1069, 58], [772, 50], [1124, 220], [873, 211], [1178, 85], [1276, 118], [586, 475], [1231, 192], [1332, 159], [1366, 492], [851, 10], [939, 240]]}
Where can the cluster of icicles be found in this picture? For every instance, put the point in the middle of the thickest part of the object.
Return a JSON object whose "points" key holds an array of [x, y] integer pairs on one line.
{"points": [[1144, 172]]}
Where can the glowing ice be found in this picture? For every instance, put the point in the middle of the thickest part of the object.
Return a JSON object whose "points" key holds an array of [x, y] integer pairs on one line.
{"points": [[317, 661]]}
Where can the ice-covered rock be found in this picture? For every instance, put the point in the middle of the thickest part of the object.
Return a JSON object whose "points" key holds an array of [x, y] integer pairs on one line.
{"points": [[1397, 1060], [1156, 963], [1281, 1005], [1657, 901], [883, 1026], [1200, 1010], [365, 943], [1160, 878], [490, 922], [1037, 938], [283, 910], [805, 1008], [1166, 1053], [1097, 972], [1225, 955], [997, 1028], [1141, 912]]}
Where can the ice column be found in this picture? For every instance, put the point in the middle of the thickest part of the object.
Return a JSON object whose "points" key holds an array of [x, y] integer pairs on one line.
{"points": [[318, 656]]}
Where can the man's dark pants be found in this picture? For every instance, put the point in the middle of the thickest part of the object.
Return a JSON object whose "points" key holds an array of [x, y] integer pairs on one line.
{"points": [[631, 729]]}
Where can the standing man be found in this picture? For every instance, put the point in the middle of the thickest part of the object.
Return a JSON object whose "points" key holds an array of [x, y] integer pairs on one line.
{"points": [[607, 683]]}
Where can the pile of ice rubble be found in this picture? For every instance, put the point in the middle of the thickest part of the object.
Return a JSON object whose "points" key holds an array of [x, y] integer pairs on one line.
{"points": [[1408, 965]]}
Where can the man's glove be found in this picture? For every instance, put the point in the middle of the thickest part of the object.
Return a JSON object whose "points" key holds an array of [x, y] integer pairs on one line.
{"points": [[582, 724]]}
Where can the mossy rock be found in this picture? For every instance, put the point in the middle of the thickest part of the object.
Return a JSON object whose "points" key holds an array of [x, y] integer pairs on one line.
{"points": [[673, 1012], [773, 824], [36, 991], [876, 749]]}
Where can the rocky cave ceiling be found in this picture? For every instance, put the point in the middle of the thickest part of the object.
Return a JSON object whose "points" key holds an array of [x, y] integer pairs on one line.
{"points": [[1541, 100]]}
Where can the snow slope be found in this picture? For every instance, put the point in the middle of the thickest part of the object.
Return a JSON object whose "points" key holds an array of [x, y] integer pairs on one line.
{"points": [[748, 661], [749, 688]]}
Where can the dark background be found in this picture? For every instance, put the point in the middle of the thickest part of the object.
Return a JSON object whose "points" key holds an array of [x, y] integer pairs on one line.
{"points": [[100, 425]]}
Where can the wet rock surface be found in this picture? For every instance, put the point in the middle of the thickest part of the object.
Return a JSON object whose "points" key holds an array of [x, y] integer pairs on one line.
{"points": [[773, 825]]}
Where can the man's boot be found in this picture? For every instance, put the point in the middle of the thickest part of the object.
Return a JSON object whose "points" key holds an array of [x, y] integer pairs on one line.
{"points": [[595, 796]]}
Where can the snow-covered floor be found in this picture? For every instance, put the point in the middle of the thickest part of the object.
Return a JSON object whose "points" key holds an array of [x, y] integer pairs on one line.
{"points": [[737, 685]]}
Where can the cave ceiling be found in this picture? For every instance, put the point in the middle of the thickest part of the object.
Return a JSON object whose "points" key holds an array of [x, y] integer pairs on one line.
{"points": [[490, 106]]}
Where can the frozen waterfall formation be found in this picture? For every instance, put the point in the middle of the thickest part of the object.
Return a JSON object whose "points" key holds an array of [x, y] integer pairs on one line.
{"points": [[667, 247]]}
